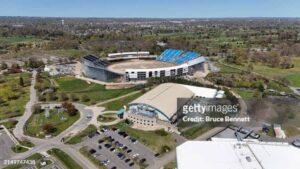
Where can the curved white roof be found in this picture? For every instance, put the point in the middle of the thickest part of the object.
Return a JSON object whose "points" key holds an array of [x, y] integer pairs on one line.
{"points": [[164, 96]]}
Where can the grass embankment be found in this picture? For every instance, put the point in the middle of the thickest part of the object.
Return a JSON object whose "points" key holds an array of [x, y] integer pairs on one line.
{"points": [[159, 141], [78, 137], [195, 131], [61, 121], [18, 149], [13, 96], [64, 158], [108, 117], [171, 165], [118, 104]]}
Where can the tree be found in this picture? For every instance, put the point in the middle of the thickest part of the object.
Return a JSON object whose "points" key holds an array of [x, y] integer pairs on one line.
{"points": [[49, 128], [70, 108], [3, 66], [85, 98], [21, 81]]}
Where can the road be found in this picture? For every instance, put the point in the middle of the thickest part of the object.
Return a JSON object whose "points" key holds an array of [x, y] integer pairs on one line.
{"points": [[42, 145]]}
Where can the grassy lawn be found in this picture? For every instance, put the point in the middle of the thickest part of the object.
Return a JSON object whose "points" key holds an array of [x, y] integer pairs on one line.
{"points": [[195, 131], [95, 92], [244, 93], [290, 130], [18, 149], [171, 165], [105, 118], [64, 158], [13, 96], [94, 160], [26, 143], [18, 39], [77, 53], [152, 139], [292, 75], [61, 121], [116, 105], [9, 124], [78, 137]]}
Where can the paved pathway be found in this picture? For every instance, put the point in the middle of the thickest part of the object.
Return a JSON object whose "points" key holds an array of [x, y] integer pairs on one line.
{"points": [[42, 145]]}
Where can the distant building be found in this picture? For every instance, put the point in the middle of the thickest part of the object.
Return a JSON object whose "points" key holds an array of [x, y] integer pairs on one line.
{"points": [[157, 108], [231, 154]]}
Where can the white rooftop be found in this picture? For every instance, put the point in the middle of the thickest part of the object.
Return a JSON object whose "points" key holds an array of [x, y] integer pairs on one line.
{"points": [[231, 154]]}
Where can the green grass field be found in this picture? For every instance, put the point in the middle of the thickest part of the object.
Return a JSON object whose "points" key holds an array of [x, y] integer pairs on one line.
{"points": [[77, 53], [64, 158], [18, 39], [78, 137], [244, 93], [95, 92], [292, 74], [18, 149], [116, 105], [171, 165], [60, 121], [151, 139], [9, 87], [195, 131]]}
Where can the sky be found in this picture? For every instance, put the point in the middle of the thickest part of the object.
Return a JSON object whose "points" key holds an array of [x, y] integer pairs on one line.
{"points": [[151, 8]]}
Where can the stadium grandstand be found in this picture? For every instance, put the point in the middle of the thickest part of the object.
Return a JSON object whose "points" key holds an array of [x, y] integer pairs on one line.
{"points": [[158, 108], [130, 55], [133, 66], [95, 68], [184, 63]]}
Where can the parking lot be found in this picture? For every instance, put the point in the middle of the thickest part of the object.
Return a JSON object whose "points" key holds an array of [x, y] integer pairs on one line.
{"points": [[5, 146], [115, 149]]}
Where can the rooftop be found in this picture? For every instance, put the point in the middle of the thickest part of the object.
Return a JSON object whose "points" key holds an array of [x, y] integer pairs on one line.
{"points": [[231, 154], [164, 97]]}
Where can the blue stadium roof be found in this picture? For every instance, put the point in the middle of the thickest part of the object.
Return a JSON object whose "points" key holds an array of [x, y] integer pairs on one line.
{"points": [[177, 56]]}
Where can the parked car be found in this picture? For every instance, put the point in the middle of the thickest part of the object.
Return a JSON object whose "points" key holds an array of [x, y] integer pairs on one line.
{"points": [[142, 160], [92, 151], [156, 155], [107, 145]]}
